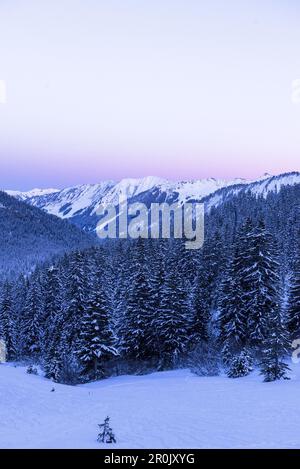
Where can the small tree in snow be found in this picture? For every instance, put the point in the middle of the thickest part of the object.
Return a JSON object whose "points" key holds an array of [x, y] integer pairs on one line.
{"points": [[106, 434], [31, 370], [240, 366]]}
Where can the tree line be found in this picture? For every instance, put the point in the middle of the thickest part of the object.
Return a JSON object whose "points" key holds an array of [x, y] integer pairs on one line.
{"points": [[136, 306]]}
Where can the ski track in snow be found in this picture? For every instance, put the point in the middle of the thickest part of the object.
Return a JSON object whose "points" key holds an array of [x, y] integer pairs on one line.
{"points": [[174, 409]]}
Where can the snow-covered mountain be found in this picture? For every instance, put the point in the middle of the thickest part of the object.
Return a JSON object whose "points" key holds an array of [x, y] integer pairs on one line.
{"points": [[79, 203], [33, 193], [259, 188]]}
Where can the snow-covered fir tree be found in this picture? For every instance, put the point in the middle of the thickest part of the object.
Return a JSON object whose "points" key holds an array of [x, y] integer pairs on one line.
{"points": [[7, 325], [232, 306], [52, 321], [276, 346], [240, 365], [173, 320], [97, 342], [293, 310], [211, 262], [75, 299], [136, 320], [106, 434], [199, 308], [262, 290], [31, 325]]}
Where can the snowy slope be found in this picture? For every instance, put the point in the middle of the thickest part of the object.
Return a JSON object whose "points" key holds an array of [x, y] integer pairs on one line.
{"points": [[260, 188], [128, 188], [33, 193], [77, 200], [164, 410], [73, 200]]}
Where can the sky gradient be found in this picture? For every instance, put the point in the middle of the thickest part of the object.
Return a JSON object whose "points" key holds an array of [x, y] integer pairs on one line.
{"points": [[127, 88]]}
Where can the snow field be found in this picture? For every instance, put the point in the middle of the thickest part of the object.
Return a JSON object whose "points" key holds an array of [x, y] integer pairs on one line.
{"points": [[173, 409]]}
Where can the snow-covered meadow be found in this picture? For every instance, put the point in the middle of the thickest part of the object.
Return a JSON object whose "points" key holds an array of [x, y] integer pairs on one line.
{"points": [[173, 409]]}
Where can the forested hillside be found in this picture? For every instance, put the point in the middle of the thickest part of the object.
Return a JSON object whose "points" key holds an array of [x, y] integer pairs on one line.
{"points": [[28, 236], [133, 306]]}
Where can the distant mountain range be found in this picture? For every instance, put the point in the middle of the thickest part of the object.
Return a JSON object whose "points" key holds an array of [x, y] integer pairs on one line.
{"points": [[33, 193], [35, 225], [78, 204]]}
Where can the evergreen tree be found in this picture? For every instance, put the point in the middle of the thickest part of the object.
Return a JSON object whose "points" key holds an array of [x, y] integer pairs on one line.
{"points": [[96, 341], [240, 365], [293, 313], [211, 262], [7, 326], [174, 319], [275, 347], [233, 309], [133, 340], [19, 291], [31, 319], [53, 356], [201, 319], [261, 282], [232, 317], [157, 251], [117, 283], [75, 301], [52, 321], [106, 434]]}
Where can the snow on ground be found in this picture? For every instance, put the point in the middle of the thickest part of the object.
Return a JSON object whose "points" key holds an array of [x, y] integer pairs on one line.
{"points": [[164, 410]]}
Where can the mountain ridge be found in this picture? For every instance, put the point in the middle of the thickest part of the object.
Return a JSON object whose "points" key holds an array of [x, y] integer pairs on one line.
{"points": [[79, 204]]}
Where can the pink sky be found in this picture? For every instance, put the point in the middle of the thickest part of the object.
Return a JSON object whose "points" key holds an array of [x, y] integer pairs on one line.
{"points": [[179, 89]]}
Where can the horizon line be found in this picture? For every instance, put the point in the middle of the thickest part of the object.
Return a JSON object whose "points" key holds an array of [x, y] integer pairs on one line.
{"points": [[266, 175]]}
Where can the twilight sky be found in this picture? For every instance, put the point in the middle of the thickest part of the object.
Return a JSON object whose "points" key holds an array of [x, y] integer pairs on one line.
{"points": [[182, 89]]}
